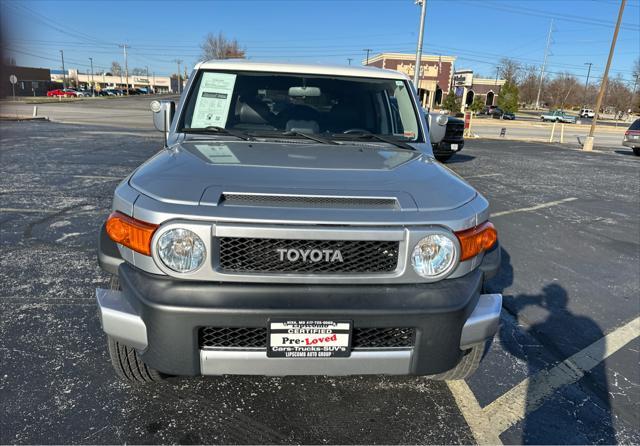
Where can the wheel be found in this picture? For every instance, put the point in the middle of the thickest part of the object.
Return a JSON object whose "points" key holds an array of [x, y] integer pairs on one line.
{"points": [[443, 158], [467, 365], [636, 151], [126, 361]]}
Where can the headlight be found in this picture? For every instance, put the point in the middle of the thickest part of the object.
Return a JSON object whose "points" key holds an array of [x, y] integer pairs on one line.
{"points": [[181, 250], [442, 120], [434, 256]]}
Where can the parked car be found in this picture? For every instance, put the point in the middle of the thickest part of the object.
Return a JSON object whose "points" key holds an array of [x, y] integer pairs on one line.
{"points": [[59, 92], [558, 116], [632, 137], [83, 93], [508, 116], [452, 142], [586, 113], [321, 240]]}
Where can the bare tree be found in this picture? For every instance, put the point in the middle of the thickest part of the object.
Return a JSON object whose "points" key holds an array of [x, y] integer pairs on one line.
{"points": [[510, 70], [528, 85], [116, 69], [563, 91], [138, 72], [219, 47], [618, 94]]}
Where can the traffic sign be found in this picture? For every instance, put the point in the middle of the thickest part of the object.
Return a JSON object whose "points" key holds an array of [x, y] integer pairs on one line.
{"points": [[13, 79]]}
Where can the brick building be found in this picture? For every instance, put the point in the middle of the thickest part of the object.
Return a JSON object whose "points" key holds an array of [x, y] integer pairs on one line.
{"points": [[31, 81], [435, 73], [437, 77]]}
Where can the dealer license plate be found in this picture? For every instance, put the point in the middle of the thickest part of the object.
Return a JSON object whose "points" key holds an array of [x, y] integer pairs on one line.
{"points": [[309, 339], [454, 147]]}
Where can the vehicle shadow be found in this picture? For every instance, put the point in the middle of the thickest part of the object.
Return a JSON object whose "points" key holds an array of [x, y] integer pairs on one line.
{"points": [[460, 158], [625, 152], [562, 421]]}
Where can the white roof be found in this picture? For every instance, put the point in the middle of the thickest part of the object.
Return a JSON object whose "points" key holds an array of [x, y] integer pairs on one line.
{"points": [[276, 67]]}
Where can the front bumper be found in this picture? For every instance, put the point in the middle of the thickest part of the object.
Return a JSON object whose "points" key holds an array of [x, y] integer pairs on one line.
{"points": [[161, 318], [444, 147]]}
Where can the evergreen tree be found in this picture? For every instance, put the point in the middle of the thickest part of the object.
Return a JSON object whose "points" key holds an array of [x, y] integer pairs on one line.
{"points": [[508, 98], [451, 102]]}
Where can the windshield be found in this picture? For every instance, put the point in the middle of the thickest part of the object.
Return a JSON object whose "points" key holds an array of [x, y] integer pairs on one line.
{"points": [[263, 103]]}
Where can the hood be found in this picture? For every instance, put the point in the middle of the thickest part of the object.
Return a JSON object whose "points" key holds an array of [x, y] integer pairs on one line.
{"points": [[195, 171]]}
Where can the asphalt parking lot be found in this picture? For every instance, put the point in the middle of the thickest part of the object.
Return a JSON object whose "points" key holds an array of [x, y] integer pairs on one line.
{"points": [[563, 369]]}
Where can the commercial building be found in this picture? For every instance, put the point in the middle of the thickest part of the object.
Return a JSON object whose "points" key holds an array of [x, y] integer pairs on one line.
{"points": [[30, 81], [467, 86], [155, 84], [438, 77]]}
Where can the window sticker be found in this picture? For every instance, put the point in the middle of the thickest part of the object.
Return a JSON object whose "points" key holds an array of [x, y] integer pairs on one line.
{"points": [[214, 100], [218, 154]]}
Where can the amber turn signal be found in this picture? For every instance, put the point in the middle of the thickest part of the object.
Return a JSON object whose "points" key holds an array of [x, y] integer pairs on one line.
{"points": [[476, 240], [132, 233]]}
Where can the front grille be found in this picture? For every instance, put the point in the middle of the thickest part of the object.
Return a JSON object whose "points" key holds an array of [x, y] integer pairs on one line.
{"points": [[454, 132], [302, 201], [258, 255], [256, 338], [383, 337]]}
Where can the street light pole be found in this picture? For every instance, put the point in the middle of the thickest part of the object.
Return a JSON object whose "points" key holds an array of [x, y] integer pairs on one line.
{"points": [[64, 77], [368, 50], [544, 64], [588, 143], [148, 82], [416, 74], [93, 88], [126, 66], [586, 84], [179, 61]]}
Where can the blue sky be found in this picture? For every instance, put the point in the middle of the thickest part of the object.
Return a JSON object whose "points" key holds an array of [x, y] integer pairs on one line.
{"points": [[478, 32]]}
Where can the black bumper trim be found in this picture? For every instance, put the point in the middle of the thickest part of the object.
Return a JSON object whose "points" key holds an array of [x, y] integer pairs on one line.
{"points": [[173, 311]]}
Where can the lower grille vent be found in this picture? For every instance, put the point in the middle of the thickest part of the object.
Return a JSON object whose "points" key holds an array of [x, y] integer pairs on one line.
{"points": [[256, 338]]}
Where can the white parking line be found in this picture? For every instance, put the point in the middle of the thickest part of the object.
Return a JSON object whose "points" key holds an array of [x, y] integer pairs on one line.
{"points": [[535, 208], [530, 394], [483, 175], [482, 431], [98, 177], [28, 211]]}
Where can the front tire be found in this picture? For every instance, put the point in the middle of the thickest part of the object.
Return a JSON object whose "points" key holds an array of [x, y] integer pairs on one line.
{"points": [[636, 151], [467, 365], [125, 360], [128, 365]]}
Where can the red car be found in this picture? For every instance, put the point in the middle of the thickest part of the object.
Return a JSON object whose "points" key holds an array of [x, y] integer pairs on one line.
{"points": [[60, 92]]}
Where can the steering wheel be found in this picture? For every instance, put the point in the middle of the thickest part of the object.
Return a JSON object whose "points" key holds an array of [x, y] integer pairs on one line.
{"points": [[356, 130]]}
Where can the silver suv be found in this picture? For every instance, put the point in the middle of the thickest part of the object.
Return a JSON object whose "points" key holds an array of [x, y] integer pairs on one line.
{"points": [[296, 223]]}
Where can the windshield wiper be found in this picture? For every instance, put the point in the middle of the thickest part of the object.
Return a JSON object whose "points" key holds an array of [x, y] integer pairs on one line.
{"points": [[308, 136], [392, 141], [213, 129]]}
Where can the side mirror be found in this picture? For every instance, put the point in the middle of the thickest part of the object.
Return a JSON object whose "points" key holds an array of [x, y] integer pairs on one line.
{"points": [[163, 112]]}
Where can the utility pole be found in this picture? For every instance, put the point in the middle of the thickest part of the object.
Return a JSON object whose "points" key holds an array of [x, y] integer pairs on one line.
{"points": [[349, 59], [544, 64], [154, 82], [179, 61], [497, 74], [126, 66], [148, 81], [416, 71], [586, 84], [588, 143], [93, 88], [368, 50], [64, 76]]}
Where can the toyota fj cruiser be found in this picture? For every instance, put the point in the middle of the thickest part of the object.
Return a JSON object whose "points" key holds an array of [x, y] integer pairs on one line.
{"points": [[296, 223]]}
